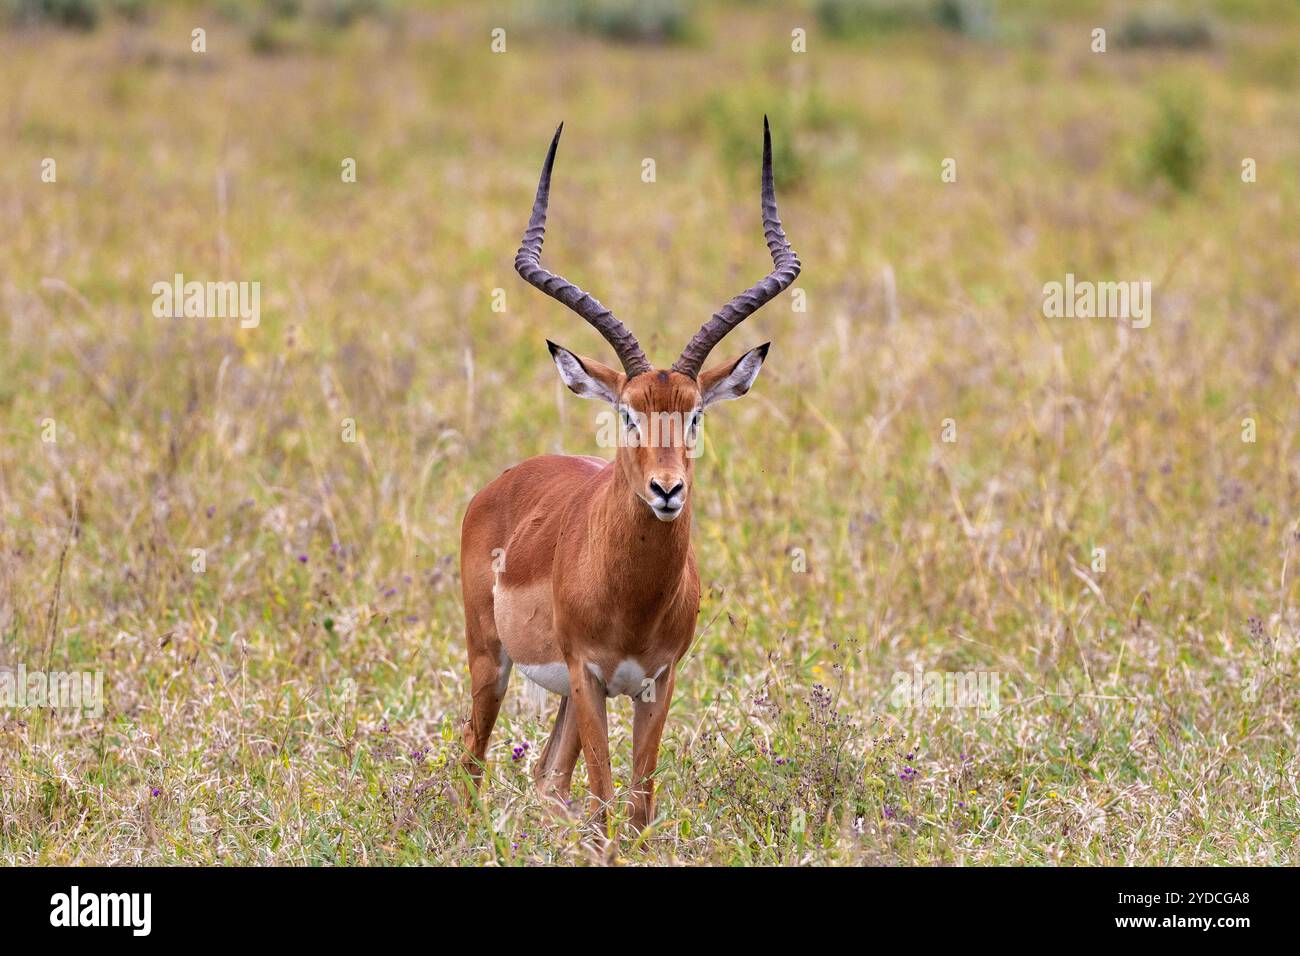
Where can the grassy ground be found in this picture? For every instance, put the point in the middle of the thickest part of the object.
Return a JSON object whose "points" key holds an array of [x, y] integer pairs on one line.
{"points": [[298, 701]]}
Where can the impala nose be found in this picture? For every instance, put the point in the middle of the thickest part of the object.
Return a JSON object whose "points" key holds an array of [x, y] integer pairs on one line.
{"points": [[667, 498], [665, 494]]}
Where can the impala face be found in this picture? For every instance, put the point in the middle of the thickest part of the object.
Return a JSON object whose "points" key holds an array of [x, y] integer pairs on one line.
{"points": [[659, 417]]}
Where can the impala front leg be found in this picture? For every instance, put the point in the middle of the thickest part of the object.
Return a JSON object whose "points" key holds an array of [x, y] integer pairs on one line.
{"points": [[648, 712], [587, 697]]}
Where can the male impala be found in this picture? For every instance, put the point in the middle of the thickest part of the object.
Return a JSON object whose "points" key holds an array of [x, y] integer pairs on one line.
{"points": [[579, 571]]}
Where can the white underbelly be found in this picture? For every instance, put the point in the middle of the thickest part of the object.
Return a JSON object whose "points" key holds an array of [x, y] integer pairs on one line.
{"points": [[554, 677], [628, 679]]}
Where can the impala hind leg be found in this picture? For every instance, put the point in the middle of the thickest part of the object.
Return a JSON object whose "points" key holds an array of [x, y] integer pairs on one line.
{"points": [[554, 771], [489, 670]]}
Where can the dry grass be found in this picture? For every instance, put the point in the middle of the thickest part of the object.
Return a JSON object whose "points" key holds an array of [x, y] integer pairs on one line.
{"points": [[299, 701]]}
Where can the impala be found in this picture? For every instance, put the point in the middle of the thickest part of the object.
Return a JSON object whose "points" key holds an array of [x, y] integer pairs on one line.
{"points": [[580, 571]]}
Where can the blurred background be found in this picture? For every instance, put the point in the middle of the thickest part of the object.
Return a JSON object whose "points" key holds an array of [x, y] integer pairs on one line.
{"points": [[253, 532]]}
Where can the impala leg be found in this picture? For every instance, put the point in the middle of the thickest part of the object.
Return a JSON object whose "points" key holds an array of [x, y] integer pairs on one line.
{"points": [[554, 771], [489, 670], [647, 730], [587, 698]]}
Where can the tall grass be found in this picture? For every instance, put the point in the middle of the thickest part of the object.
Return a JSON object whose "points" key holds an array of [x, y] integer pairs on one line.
{"points": [[298, 700]]}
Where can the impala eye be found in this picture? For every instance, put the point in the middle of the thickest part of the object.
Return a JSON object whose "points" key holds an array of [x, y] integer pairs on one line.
{"points": [[629, 417]]}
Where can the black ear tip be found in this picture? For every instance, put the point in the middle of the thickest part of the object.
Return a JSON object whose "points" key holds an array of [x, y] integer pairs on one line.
{"points": [[762, 349], [552, 347]]}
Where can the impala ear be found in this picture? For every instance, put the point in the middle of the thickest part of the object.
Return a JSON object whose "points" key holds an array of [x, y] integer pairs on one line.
{"points": [[585, 376], [732, 379]]}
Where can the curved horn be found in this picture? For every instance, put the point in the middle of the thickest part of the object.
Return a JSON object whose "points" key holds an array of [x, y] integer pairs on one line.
{"points": [[786, 270], [528, 265]]}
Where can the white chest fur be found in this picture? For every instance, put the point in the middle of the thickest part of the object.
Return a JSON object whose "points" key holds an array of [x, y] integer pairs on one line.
{"points": [[629, 678]]}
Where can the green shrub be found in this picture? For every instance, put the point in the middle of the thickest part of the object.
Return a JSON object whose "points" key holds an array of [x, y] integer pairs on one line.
{"points": [[1175, 148], [133, 10], [74, 14], [849, 19], [972, 18], [341, 14], [1168, 27], [270, 37], [736, 124], [290, 25], [626, 21]]}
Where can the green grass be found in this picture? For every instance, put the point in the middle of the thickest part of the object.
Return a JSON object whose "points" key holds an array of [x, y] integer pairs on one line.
{"points": [[307, 712]]}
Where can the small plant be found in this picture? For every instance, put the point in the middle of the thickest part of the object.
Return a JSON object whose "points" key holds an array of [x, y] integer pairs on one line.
{"points": [[817, 775], [731, 118], [1175, 148], [269, 37]]}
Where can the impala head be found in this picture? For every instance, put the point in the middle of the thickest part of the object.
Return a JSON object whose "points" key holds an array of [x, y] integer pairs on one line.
{"points": [[659, 410]]}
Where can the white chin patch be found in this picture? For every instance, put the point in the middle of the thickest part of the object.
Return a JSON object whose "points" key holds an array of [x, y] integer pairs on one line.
{"points": [[663, 514]]}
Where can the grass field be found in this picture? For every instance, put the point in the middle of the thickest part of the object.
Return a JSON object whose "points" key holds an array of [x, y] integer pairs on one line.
{"points": [[298, 700]]}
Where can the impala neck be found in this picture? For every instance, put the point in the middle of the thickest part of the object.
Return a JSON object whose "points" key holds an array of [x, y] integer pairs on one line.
{"points": [[643, 552]]}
